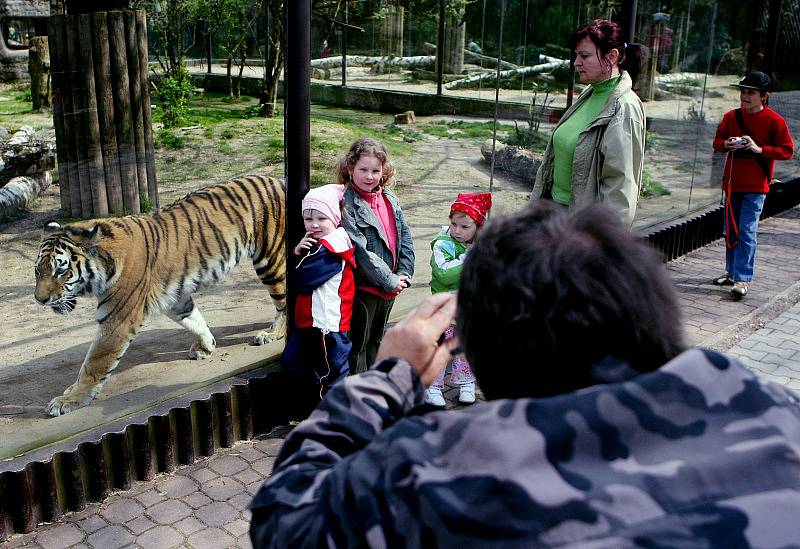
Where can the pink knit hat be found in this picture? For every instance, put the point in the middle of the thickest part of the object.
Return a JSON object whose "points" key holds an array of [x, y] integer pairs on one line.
{"points": [[326, 199]]}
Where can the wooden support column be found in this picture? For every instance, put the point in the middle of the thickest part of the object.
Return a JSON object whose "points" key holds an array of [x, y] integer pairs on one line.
{"points": [[101, 110]]}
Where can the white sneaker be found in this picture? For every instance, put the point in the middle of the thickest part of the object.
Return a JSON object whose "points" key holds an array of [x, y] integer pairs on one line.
{"points": [[434, 397], [466, 393]]}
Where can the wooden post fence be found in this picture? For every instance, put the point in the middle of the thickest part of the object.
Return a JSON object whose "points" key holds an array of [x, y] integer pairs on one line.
{"points": [[101, 113]]}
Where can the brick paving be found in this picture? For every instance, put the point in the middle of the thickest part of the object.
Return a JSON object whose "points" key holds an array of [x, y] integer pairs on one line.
{"points": [[204, 505]]}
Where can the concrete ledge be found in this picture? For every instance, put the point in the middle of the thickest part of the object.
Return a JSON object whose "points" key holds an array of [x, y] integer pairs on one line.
{"points": [[388, 101]]}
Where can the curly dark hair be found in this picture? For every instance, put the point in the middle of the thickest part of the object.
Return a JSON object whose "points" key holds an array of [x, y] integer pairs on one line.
{"points": [[545, 295]]}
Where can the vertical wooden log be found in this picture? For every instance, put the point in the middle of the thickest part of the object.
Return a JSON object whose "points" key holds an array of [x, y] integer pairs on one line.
{"points": [[137, 117], [77, 86], [94, 464], [144, 78], [139, 442], [165, 443], [185, 436], [39, 69], [120, 460], [63, 117], [105, 113], [122, 112], [23, 517], [46, 491], [224, 405], [6, 505], [94, 152]]}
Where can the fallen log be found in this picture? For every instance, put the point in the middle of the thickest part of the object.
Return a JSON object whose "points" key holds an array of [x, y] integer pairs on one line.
{"points": [[18, 193], [23, 154], [551, 63], [479, 58], [367, 61]]}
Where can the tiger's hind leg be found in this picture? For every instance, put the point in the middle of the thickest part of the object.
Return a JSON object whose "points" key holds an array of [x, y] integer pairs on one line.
{"points": [[274, 277], [188, 315]]}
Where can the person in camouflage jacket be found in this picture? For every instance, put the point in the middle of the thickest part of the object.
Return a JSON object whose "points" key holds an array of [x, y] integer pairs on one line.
{"points": [[633, 451]]}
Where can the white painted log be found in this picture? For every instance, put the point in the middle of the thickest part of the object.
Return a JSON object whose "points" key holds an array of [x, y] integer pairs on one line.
{"points": [[18, 193], [489, 77], [367, 61]]}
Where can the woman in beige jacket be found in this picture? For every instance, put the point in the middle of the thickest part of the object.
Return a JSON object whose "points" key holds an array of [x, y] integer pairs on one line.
{"points": [[596, 151]]}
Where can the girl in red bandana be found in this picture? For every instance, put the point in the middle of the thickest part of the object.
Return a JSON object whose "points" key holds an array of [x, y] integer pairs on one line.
{"points": [[449, 249]]}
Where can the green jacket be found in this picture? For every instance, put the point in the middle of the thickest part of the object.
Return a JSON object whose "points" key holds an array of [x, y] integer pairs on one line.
{"points": [[447, 258], [607, 166]]}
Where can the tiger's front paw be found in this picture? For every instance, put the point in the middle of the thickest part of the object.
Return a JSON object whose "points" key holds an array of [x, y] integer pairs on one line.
{"points": [[64, 404], [201, 351]]}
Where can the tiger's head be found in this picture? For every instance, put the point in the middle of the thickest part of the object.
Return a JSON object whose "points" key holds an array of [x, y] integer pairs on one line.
{"points": [[66, 266]]}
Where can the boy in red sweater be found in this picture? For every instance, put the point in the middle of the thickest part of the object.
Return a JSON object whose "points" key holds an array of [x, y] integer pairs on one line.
{"points": [[754, 136]]}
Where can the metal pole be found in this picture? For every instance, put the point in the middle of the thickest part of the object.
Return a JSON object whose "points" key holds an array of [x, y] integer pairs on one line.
{"points": [[344, 48], [296, 125], [497, 90], [628, 16], [440, 49], [773, 34]]}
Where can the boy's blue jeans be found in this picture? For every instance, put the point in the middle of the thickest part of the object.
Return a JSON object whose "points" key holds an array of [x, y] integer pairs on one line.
{"points": [[740, 259]]}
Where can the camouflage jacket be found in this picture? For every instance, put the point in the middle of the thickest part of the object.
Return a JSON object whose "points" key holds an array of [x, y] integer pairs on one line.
{"points": [[700, 453]]}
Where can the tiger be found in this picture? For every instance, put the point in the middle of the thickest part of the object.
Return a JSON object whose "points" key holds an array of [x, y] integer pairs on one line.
{"points": [[142, 265]]}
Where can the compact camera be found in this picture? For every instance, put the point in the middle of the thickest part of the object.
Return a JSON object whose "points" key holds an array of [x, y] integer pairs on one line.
{"points": [[739, 141]]}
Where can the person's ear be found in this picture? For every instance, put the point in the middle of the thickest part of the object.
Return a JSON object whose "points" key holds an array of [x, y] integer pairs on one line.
{"points": [[613, 56]]}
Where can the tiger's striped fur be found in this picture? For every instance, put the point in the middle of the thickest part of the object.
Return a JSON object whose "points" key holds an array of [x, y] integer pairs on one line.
{"points": [[142, 265]]}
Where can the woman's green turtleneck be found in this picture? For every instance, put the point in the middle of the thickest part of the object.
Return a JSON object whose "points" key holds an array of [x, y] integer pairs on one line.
{"points": [[566, 137]]}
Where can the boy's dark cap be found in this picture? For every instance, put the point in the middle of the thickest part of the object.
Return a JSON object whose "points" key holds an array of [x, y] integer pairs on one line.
{"points": [[755, 80]]}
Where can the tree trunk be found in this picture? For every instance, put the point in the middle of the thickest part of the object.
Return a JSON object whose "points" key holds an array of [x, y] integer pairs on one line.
{"points": [[39, 68], [105, 112], [122, 112], [94, 151], [137, 116], [273, 60], [68, 185], [455, 32], [392, 31], [147, 117]]}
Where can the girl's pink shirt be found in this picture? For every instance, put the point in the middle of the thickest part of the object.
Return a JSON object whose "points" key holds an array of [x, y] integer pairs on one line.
{"points": [[382, 209]]}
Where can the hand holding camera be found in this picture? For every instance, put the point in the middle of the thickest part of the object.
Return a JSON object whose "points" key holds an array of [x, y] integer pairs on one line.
{"points": [[739, 142]]}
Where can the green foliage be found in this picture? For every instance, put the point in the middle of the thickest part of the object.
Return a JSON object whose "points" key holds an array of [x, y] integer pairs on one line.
{"points": [[208, 132], [650, 187], [695, 113], [145, 203], [24, 96], [253, 111], [228, 133], [528, 138], [650, 141], [174, 93], [225, 148], [169, 140]]}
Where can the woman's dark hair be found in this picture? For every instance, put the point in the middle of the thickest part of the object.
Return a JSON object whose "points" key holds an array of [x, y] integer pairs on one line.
{"points": [[544, 296], [606, 35]]}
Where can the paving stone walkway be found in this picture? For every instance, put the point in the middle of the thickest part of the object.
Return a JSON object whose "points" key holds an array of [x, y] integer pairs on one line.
{"points": [[204, 505]]}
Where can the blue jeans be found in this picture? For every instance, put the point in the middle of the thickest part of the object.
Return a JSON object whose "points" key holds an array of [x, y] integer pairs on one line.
{"points": [[745, 208]]}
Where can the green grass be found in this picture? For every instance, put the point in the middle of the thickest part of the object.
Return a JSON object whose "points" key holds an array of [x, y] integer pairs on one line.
{"points": [[16, 109]]}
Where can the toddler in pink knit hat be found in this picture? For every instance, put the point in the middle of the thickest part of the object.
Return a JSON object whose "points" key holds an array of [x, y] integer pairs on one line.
{"points": [[317, 351]]}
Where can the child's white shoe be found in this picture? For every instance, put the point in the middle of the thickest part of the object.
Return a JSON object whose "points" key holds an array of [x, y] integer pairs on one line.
{"points": [[434, 397], [466, 393]]}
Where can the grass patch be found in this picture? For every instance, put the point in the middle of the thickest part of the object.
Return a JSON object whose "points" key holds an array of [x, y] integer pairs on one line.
{"points": [[652, 188], [169, 140]]}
